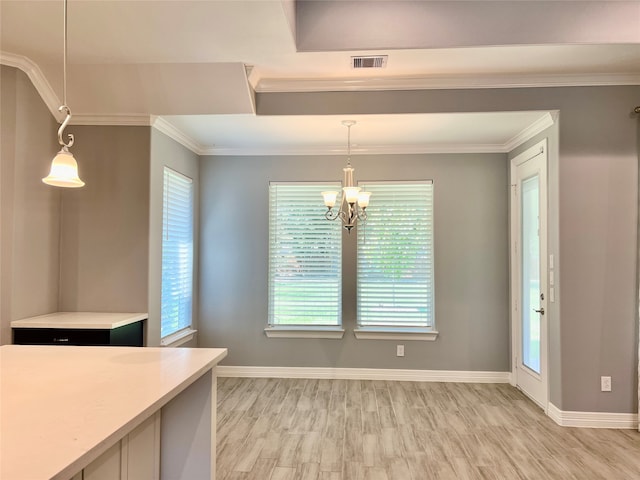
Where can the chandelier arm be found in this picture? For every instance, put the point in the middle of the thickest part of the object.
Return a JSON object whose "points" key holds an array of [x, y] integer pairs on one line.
{"points": [[362, 215], [64, 109], [331, 214]]}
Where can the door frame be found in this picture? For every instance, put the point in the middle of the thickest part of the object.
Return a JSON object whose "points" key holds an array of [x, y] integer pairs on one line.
{"points": [[514, 266]]}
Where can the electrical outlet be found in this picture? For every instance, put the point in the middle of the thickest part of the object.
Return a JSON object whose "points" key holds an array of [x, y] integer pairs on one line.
{"points": [[399, 350], [605, 384]]}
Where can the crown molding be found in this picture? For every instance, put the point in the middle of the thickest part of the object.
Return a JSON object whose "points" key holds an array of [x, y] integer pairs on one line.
{"points": [[370, 150], [283, 85], [179, 136], [39, 81], [544, 122], [52, 101], [127, 119]]}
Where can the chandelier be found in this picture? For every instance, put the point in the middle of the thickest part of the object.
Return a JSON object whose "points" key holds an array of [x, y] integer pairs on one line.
{"points": [[354, 202], [64, 168]]}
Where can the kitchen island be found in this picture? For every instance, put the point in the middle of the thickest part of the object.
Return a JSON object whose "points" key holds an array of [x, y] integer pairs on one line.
{"points": [[76, 412], [81, 328]]}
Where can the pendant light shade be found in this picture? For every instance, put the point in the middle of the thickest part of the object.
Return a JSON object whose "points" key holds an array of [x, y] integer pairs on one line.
{"points": [[64, 171]]}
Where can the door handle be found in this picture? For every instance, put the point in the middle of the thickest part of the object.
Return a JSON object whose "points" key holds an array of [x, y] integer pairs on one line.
{"points": [[541, 311]]}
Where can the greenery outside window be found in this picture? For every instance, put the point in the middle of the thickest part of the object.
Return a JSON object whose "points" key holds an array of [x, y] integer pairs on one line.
{"points": [[305, 262], [395, 262]]}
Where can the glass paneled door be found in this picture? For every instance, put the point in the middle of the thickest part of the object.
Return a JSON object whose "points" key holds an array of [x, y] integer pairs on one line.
{"points": [[529, 272]]}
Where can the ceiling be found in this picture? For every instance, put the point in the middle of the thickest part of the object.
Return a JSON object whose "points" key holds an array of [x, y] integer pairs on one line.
{"points": [[322, 135], [196, 64]]}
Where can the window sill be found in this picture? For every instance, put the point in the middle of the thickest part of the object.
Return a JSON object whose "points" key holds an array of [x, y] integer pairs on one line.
{"points": [[397, 333], [304, 332], [178, 338]]}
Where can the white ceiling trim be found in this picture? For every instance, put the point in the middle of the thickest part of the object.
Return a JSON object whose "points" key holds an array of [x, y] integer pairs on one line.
{"points": [[49, 97], [39, 81], [371, 150], [535, 128], [179, 136], [156, 122], [281, 85], [130, 120]]}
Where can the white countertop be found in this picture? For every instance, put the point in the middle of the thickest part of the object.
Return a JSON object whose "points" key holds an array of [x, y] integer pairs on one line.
{"points": [[60, 407], [89, 320]]}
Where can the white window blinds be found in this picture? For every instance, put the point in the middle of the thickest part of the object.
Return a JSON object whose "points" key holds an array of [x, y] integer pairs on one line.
{"points": [[395, 256], [177, 253], [305, 257]]}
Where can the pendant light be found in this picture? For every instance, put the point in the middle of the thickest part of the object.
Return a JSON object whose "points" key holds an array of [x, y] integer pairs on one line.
{"points": [[64, 168]]}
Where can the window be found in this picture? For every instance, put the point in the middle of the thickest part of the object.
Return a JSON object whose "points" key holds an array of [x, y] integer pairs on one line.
{"points": [[305, 259], [395, 258], [177, 253]]}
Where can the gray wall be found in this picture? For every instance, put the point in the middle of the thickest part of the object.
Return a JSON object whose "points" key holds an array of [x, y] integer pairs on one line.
{"points": [[167, 152], [104, 259], [597, 214], [471, 263], [29, 223], [89, 249]]}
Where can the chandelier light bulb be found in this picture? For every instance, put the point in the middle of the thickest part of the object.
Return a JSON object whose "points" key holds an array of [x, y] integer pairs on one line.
{"points": [[64, 171], [351, 194], [363, 199], [329, 198]]}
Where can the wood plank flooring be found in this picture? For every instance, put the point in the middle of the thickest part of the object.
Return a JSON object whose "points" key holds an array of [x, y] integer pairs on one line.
{"points": [[298, 429]]}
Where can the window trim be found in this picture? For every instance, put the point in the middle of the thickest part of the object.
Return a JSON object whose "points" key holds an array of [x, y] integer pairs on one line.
{"points": [[178, 338], [301, 331], [396, 333], [400, 332]]}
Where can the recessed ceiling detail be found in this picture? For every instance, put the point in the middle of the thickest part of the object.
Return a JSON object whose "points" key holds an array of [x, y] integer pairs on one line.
{"points": [[408, 24], [377, 134], [124, 67]]}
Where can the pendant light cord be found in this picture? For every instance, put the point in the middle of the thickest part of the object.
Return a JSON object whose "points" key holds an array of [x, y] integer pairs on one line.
{"points": [[64, 58], [64, 108]]}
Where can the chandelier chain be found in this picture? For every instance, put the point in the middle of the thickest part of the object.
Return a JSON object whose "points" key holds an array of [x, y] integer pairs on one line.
{"points": [[349, 145]]}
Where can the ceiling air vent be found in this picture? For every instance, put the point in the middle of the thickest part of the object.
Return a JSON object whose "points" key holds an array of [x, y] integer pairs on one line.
{"points": [[370, 61]]}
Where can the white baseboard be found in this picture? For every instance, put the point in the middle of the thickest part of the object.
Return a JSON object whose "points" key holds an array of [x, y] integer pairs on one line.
{"points": [[592, 419], [365, 374]]}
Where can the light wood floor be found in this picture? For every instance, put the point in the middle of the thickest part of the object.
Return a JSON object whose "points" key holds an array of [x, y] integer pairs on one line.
{"points": [[292, 429]]}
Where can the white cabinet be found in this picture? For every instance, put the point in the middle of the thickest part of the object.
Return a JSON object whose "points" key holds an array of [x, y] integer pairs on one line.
{"points": [[142, 451], [106, 466], [135, 457]]}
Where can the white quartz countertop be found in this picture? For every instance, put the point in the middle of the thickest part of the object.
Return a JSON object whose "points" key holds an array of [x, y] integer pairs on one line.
{"points": [[61, 407], [89, 320]]}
